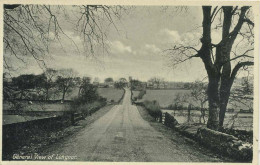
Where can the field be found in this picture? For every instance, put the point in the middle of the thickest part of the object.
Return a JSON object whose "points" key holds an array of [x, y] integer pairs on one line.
{"points": [[50, 109], [108, 93], [164, 97], [34, 111], [111, 93], [135, 94], [36, 106], [239, 121]]}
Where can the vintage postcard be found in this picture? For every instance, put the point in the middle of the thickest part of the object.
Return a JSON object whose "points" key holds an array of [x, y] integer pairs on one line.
{"points": [[129, 81]]}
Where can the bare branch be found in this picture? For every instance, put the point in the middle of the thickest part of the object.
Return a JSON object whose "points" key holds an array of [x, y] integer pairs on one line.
{"points": [[238, 66], [243, 55], [249, 21], [238, 26]]}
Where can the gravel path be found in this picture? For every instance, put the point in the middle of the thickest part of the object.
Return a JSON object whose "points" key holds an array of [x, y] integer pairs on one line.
{"points": [[123, 135]]}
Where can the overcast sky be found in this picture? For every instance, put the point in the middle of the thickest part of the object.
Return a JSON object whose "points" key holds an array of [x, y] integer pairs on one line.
{"points": [[135, 48]]}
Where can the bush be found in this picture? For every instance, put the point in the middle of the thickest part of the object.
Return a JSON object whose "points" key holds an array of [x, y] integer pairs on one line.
{"points": [[87, 100], [153, 108]]}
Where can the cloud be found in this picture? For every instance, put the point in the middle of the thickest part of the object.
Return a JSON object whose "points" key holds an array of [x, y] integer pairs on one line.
{"points": [[151, 48], [190, 37], [119, 47], [170, 36]]}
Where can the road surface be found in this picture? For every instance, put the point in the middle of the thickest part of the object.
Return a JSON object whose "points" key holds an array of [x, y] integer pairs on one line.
{"points": [[122, 135]]}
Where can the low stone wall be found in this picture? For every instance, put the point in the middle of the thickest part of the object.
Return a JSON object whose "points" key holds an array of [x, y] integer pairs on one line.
{"points": [[223, 143], [17, 135], [226, 144]]}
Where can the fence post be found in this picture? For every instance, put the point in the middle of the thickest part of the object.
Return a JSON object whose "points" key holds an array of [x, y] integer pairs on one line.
{"points": [[189, 109], [160, 117], [72, 118]]}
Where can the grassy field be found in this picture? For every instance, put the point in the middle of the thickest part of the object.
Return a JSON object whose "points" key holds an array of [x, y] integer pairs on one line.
{"points": [[135, 93], [108, 93], [36, 106], [239, 121], [111, 93], [164, 97]]}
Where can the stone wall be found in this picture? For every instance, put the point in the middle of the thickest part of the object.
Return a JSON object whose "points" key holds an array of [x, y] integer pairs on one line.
{"points": [[226, 144], [223, 143]]}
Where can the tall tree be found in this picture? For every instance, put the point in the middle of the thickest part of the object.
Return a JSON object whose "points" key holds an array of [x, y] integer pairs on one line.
{"points": [[218, 58], [199, 95], [242, 94], [66, 81], [27, 84], [50, 75], [109, 80], [82, 82]]}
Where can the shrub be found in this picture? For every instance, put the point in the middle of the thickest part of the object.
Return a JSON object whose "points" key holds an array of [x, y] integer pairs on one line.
{"points": [[87, 100], [153, 108]]}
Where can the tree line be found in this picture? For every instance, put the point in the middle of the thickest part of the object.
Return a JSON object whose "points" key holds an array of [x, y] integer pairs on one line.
{"points": [[51, 84]]}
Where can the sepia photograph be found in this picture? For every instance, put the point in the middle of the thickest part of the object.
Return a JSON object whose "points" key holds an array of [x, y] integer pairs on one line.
{"points": [[130, 83]]}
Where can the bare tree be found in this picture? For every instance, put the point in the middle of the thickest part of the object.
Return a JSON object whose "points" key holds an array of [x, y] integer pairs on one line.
{"points": [[157, 81], [218, 58], [81, 82], [199, 94], [242, 94], [180, 100], [30, 29], [50, 75], [66, 80]]}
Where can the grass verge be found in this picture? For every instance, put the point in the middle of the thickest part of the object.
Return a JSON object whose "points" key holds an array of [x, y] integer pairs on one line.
{"points": [[176, 137]]}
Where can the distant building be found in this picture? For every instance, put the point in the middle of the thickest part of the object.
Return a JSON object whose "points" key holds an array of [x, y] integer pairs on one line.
{"points": [[95, 83], [109, 84], [102, 85]]}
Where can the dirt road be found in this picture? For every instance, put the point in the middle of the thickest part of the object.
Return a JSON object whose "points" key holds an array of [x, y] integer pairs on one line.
{"points": [[123, 135]]}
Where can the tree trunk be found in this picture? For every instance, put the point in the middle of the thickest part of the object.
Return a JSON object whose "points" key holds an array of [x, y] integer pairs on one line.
{"points": [[202, 112], [213, 99], [224, 97], [63, 94], [79, 91]]}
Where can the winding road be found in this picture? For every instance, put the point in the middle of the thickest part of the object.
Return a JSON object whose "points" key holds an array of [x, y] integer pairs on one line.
{"points": [[123, 135]]}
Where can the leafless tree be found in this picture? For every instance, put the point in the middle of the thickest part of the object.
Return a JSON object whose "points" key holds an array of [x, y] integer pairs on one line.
{"points": [[157, 81], [51, 75], [242, 94], [218, 58], [199, 95], [66, 80], [30, 29]]}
